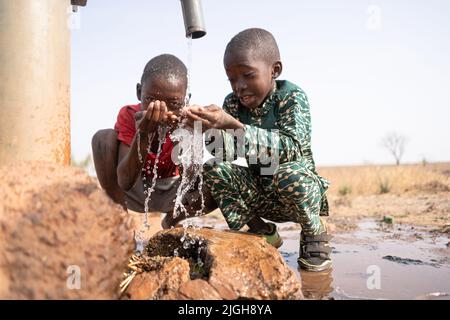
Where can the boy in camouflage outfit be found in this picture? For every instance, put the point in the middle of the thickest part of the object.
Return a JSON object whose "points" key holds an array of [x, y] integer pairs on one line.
{"points": [[271, 121]]}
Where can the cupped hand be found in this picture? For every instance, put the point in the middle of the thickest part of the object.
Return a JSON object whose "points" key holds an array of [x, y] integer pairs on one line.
{"points": [[155, 114], [211, 117]]}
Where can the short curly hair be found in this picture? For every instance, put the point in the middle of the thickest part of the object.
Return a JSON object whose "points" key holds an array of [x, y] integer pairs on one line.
{"points": [[260, 42], [165, 66]]}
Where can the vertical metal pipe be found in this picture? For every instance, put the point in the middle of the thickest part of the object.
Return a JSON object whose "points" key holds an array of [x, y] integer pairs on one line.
{"points": [[34, 81], [193, 18]]}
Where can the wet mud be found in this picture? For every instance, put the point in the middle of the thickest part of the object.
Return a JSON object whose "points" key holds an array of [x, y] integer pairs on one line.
{"points": [[377, 261]]}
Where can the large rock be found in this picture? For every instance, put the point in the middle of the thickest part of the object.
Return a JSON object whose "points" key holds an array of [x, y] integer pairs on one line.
{"points": [[60, 235], [162, 281], [212, 264]]}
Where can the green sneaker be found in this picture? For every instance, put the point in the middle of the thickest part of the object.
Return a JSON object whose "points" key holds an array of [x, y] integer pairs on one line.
{"points": [[315, 252], [272, 237]]}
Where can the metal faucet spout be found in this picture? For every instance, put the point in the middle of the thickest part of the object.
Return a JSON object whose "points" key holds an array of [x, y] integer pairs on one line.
{"points": [[193, 18]]}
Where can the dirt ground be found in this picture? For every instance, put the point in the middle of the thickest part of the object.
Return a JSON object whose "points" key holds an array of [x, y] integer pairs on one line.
{"points": [[427, 210], [409, 194]]}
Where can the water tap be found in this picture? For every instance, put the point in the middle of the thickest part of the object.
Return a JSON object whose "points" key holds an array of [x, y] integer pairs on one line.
{"points": [[193, 18]]}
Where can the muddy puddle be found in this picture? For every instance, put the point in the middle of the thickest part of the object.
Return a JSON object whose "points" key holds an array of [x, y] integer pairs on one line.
{"points": [[377, 261], [374, 261]]}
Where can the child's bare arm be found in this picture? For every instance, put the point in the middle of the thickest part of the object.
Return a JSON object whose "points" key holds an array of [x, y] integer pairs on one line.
{"points": [[213, 117]]}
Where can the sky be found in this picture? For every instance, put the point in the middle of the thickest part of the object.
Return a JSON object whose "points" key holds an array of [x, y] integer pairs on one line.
{"points": [[367, 67]]}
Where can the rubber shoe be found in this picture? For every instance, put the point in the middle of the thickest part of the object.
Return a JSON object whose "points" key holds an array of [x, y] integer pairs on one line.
{"points": [[272, 237]]}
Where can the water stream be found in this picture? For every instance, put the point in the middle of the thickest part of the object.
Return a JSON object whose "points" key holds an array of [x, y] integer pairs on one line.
{"points": [[190, 159]]}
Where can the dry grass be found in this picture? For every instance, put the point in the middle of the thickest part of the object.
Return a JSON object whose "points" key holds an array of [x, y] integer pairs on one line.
{"points": [[372, 179]]}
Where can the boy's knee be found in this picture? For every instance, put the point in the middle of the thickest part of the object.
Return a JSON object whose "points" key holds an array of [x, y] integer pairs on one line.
{"points": [[292, 176], [104, 153], [104, 139], [217, 175], [105, 149]]}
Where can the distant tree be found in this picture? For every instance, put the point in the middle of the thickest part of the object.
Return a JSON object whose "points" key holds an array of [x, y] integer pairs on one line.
{"points": [[424, 161], [395, 143]]}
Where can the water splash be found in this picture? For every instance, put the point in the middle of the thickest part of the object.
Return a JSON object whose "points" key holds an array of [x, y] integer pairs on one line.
{"points": [[200, 262], [148, 189], [189, 67], [190, 143]]}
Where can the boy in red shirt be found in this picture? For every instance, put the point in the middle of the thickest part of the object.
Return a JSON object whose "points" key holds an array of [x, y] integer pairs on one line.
{"points": [[121, 170]]}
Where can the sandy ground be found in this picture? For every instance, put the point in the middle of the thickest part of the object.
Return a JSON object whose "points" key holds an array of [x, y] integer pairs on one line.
{"points": [[412, 194], [427, 210]]}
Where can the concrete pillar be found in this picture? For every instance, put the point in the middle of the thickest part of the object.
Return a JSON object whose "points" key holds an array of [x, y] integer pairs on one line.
{"points": [[34, 81]]}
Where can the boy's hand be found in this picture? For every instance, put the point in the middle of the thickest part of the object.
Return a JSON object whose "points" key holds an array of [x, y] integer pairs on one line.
{"points": [[156, 114], [212, 116]]}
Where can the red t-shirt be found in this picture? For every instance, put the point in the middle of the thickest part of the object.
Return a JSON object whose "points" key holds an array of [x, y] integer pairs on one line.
{"points": [[126, 130]]}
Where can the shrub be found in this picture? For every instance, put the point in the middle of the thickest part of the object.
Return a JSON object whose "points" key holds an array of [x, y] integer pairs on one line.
{"points": [[345, 190]]}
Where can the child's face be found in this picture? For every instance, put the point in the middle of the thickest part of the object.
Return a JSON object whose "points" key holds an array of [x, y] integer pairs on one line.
{"points": [[251, 79], [172, 92]]}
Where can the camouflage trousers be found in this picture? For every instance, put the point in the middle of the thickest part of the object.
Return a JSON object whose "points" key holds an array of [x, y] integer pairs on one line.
{"points": [[294, 193]]}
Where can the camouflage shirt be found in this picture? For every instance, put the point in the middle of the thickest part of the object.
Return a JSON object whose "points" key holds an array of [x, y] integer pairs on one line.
{"points": [[286, 110]]}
